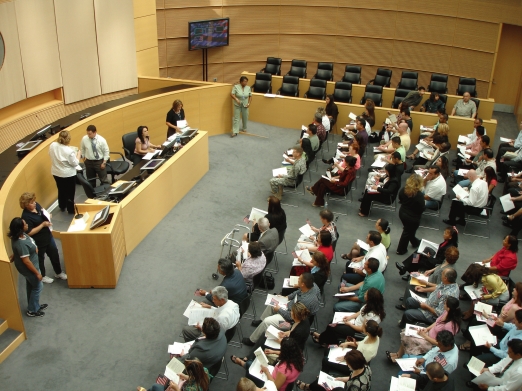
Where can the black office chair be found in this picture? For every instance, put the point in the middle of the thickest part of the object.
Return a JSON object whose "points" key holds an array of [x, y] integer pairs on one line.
{"points": [[382, 78], [290, 86], [263, 83], [438, 83], [408, 81], [352, 74], [374, 93], [399, 97], [298, 68], [324, 71], [273, 66], [467, 84], [443, 98], [317, 89], [90, 191], [129, 143], [477, 103], [343, 92], [117, 167]]}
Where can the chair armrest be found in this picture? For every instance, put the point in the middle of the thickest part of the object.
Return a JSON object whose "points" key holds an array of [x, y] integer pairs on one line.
{"points": [[370, 82], [262, 70], [117, 153], [305, 94]]}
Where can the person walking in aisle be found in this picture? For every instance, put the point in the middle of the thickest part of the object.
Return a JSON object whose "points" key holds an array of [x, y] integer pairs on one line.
{"points": [[242, 96]]}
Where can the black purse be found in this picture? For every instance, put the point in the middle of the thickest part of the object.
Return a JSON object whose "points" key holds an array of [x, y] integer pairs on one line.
{"points": [[270, 281]]}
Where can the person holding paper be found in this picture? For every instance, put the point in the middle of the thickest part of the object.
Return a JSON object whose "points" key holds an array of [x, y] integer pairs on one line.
{"points": [[227, 314], [486, 161], [326, 218], [385, 192], [435, 379], [242, 96], [211, 349], [336, 185], [175, 114], [506, 258], [490, 284], [445, 353], [254, 263], [39, 227], [412, 203], [434, 188], [361, 136], [143, 144], [308, 294], [432, 308], [319, 267], [297, 168], [373, 309], [356, 274], [95, 152], [323, 243], [511, 146], [383, 227], [310, 144], [474, 150], [442, 149], [325, 121], [369, 112], [509, 369], [64, 161], [233, 282], [197, 378], [474, 204], [276, 217]]}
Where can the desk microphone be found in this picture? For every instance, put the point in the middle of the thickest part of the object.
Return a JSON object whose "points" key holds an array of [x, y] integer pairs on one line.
{"points": [[78, 215]]}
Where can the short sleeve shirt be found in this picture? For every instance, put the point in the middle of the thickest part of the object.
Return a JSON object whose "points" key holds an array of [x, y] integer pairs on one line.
{"points": [[241, 93], [173, 118], [465, 109], [43, 237], [22, 248]]}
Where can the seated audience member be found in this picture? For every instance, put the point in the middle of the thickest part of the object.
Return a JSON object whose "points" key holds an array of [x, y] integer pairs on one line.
{"points": [[373, 309], [490, 284], [395, 146], [269, 238], [487, 161], [290, 365], [442, 148], [376, 250], [227, 314], [412, 100], [211, 349], [445, 353], [410, 212], [297, 167], [435, 379], [337, 162], [233, 282], [361, 135], [327, 218], [321, 131], [473, 136], [402, 130], [505, 259], [359, 380], [299, 331], [245, 384], [395, 160], [254, 263], [369, 112], [443, 163], [373, 279], [432, 104], [509, 368], [332, 111], [475, 151], [449, 320], [196, 378], [336, 185], [429, 260], [143, 145], [405, 116], [465, 107], [319, 267], [509, 164], [323, 243], [384, 192], [490, 176], [428, 311], [308, 294], [324, 119], [276, 217], [310, 144], [383, 227], [512, 146], [434, 188], [442, 131], [474, 204]]}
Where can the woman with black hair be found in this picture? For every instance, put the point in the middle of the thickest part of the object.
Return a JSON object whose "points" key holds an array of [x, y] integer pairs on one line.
{"points": [[143, 145], [384, 192], [331, 110], [241, 94], [277, 218], [433, 104], [504, 259], [196, 378]]}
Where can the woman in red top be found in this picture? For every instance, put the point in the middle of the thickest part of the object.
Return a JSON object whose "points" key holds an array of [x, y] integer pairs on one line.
{"points": [[505, 259]]}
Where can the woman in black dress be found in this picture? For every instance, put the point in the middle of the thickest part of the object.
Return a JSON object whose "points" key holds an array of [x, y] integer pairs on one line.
{"points": [[412, 206], [173, 116]]}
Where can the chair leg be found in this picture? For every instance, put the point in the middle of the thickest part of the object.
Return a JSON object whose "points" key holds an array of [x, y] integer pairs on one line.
{"points": [[223, 375], [276, 264], [286, 248], [239, 333]]}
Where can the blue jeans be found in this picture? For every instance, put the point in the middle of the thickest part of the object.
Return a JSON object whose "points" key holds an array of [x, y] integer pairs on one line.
{"points": [[457, 177], [432, 204], [33, 288], [346, 305], [465, 183]]}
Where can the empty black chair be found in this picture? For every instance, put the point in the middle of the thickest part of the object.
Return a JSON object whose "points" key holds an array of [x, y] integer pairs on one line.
{"points": [[352, 74], [117, 167], [298, 68], [263, 83], [382, 78], [399, 97], [343, 92], [273, 66], [129, 143], [438, 83], [290, 86], [467, 84], [324, 71], [408, 80], [317, 89], [374, 93], [477, 102], [91, 191]]}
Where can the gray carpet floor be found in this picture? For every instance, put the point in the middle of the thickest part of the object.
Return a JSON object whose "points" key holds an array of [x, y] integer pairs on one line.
{"points": [[116, 339]]}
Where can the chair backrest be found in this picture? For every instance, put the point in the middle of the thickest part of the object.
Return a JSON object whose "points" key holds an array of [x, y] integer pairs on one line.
{"points": [[439, 77], [299, 180], [438, 86], [263, 76], [129, 143], [325, 65], [383, 77], [318, 83], [354, 78], [343, 95], [477, 102], [443, 98], [341, 85], [374, 89], [290, 86], [298, 72], [469, 81], [407, 84], [274, 60], [324, 74], [397, 101], [87, 188], [376, 97], [299, 63], [263, 82], [409, 75], [353, 69], [229, 334], [401, 93], [467, 84], [316, 93], [273, 69]]}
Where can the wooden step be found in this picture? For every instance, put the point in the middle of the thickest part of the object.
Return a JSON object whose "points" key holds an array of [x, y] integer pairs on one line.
{"points": [[9, 340]]}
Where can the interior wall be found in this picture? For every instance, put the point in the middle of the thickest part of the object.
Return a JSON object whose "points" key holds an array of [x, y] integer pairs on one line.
{"points": [[145, 27], [440, 38]]}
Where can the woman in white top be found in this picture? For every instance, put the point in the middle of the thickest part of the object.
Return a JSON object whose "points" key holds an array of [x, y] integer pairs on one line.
{"points": [[64, 161], [325, 120], [143, 144]]}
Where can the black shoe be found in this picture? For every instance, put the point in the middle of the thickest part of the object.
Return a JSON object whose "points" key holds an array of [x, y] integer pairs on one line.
{"points": [[256, 323], [400, 267], [247, 342], [405, 278], [506, 224], [417, 243], [401, 298], [43, 307], [35, 314], [360, 199], [461, 222], [505, 218], [448, 222], [400, 307], [401, 253]]}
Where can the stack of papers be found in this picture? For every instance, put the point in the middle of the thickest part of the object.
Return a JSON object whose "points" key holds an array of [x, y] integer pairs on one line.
{"points": [[339, 316], [279, 171], [179, 347], [256, 214], [307, 231], [419, 279], [483, 308], [474, 293], [506, 202], [336, 352], [272, 338], [192, 305], [425, 244], [255, 370], [459, 190], [150, 155], [304, 255], [487, 378], [402, 384], [198, 315], [481, 335], [173, 368], [406, 364], [328, 382], [411, 331], [379, 162], [290, 282], [463, 139], [273, 300], [475, 366]]}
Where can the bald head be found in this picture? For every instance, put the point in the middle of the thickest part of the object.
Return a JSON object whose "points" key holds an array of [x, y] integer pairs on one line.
{"points": [[403, 128], [472, 175], [466, 96]]}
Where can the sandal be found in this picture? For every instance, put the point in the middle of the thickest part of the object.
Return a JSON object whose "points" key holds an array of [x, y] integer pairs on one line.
{"points": [[390, 358], [309, 190], [361, 215], [465, 348], [344, 256], [302, 385], [235, 359]]}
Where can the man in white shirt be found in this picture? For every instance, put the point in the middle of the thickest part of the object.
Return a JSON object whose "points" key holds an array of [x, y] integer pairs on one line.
{"points": [[487, 160], [95, 152], [509, 369], [434, 188], [226, 313], [473, 204], [376, 250]]}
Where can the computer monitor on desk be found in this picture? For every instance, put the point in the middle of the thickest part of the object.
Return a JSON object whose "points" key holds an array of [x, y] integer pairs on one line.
{"points": [[187, 135], [101, 217]]}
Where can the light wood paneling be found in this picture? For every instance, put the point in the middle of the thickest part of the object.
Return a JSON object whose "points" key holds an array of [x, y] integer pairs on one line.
{"points": [[148, 62], [179, 55], [84, 104], [38, 46], [12, 85], [160, 18], [301, 20], [80, 72], [443, 25], [423, 59], [251, 47], [239, 68], [372, 4], [365, 22], [162, 53], [506, 11], [305, 47], [250, 2], [146, 32], [376, 51], [163, 72], [191, 3], [144, 8], [253, 19], [470, 63], [9, 305], [472, 34], [216, 71], [177, 19], [439, 7], [160, 4], [117, 45], [189, 72]]}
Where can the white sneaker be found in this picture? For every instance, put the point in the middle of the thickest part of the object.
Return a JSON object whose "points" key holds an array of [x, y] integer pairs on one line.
{"points": [[47, 280], [61, 276]]}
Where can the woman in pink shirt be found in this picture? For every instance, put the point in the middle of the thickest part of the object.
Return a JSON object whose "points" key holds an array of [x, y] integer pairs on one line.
{"points": [[449, 320], [505, 259]]}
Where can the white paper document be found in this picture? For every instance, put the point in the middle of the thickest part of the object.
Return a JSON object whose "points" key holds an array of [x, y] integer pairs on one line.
{"points": [[272, 332], [272, 343], [306, 230], [255, 370], [304, 255], [270, 95], [150, 155], [178, 347], [305, 128], [362, 244], [273, 300], [334, 353], [328, 382], [487, 378], [505, 140], [475, 366], [352, 116], [427, 244], [393, 118], [417, 297], [198, 315], [463, 139], [411, 331], [474, 293], [483, 308], [406, 364], [192, 305], [459, 190], [260, 356], [182, 124], [279, 171], [48, 216], [462, 172], [256, 214], [173, 368], [506, 202], [344, 294], [402, 384], [379, 163], [339, 316], [481, 335]]}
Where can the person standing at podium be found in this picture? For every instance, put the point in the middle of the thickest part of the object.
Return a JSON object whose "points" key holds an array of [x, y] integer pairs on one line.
{"points": [[173, 116], [64, 161], [95, 151]]}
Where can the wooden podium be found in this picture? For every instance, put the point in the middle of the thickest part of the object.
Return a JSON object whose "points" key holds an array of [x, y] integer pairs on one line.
{"points": [[94, 258]]}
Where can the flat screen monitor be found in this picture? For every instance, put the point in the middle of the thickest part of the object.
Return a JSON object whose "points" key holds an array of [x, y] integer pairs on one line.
{"points": [[153, 164], [122, 188], [29, 146], [206, 34], [41, 133], [167, 146], [100, 217], [189, 133]]}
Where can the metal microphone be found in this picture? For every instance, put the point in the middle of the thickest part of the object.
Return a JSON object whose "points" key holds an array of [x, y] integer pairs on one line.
{"points": [[78, 215]]}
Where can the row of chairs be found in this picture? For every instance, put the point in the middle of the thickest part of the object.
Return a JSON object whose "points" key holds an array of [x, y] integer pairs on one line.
{"points": [[352, 74]]}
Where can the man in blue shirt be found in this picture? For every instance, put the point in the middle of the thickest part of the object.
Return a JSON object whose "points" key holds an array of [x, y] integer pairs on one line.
{"points": [[511, 146], [445, 353]]}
